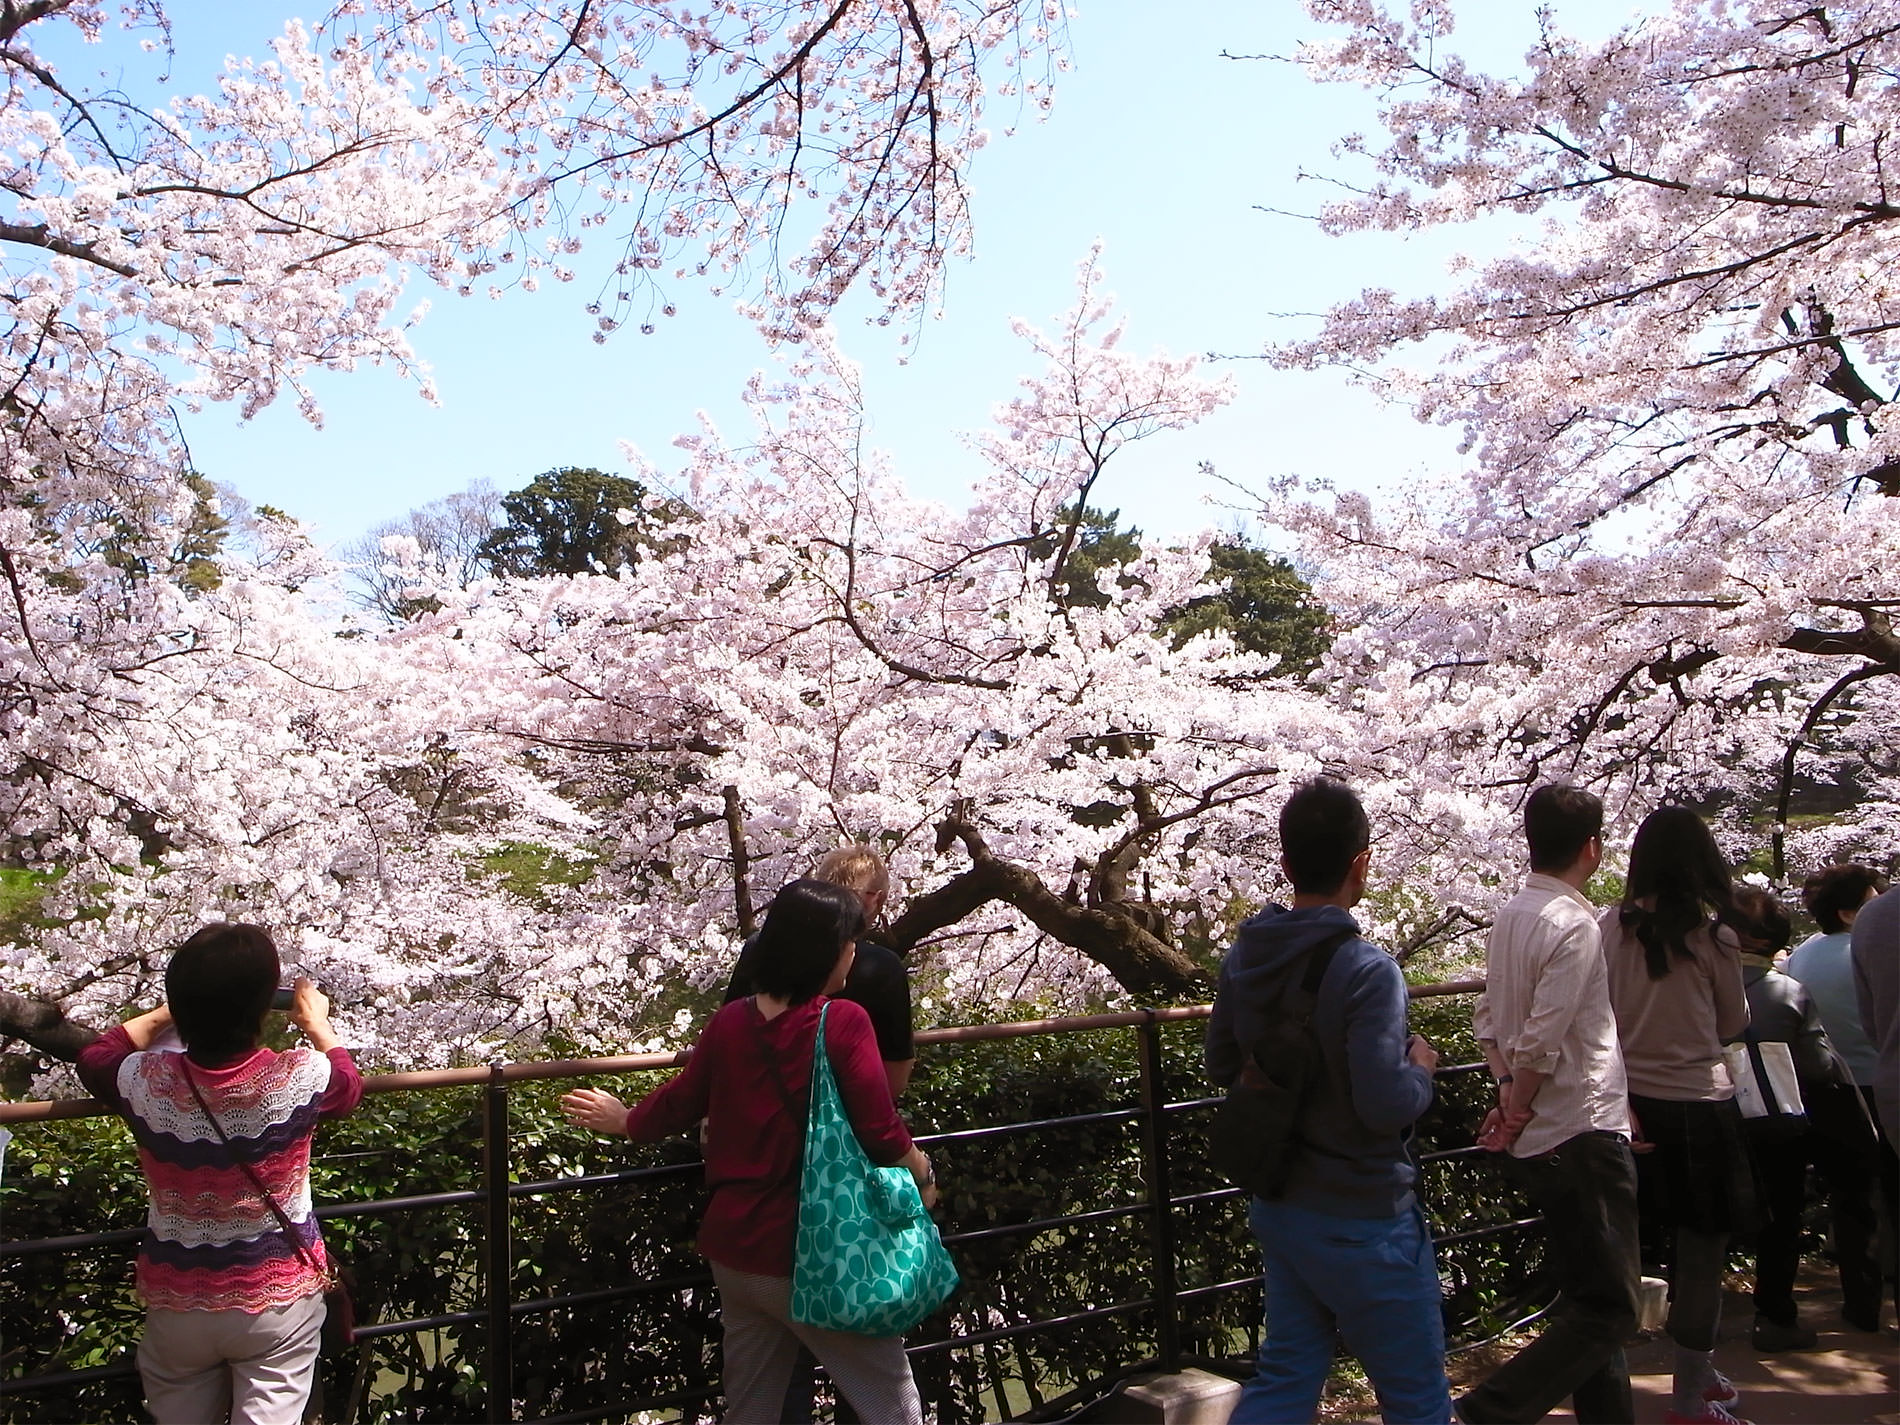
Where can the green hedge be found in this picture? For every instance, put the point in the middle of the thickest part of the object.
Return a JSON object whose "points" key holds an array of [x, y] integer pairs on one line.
{"points": [[76, 1311]]}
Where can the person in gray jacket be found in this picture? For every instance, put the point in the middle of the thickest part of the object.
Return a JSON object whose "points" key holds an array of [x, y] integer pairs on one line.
{"points": [[1835, 1136], [1876, 953], [1346, 1249]]}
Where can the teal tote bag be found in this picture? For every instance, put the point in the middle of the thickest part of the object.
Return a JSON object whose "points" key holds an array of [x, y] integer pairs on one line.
{"points": [[868, 1258]]}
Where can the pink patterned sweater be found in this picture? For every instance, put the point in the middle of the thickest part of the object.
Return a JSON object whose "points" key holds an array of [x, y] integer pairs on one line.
{"points": [[211, 1243]]}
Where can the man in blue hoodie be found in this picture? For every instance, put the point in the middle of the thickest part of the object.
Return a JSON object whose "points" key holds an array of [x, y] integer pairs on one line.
{"points": [[1345, 1246]]}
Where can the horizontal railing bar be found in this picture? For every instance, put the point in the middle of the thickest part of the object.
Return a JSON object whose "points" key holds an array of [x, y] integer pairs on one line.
{"points": [[77, 1242], [1234, 1285], [1185, 1104], [475, 1076], [538, 1305], [1445, 987], [1195, 1199], [53, 1380], [967, 1135], [1003, 1333], [381, 1206], [1046, 1224], [590, 1180], [418, 1324], [1496, 1229], [377, 1207]]}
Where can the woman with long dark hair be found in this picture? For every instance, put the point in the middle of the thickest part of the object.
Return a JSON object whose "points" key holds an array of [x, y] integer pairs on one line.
{"points": [[750, 1078], [1675, 976]]}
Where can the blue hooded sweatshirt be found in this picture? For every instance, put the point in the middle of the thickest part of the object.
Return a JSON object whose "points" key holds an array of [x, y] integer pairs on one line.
{"points": [[1356, 1125]]}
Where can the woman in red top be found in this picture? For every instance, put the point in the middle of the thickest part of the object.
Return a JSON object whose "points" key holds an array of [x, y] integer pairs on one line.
{"points": [[749, 1078]]}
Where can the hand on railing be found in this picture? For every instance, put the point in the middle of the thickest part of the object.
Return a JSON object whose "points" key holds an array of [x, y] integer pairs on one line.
{"points": [[595, 1109]]}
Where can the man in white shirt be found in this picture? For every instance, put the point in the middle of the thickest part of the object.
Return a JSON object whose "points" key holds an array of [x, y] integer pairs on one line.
{"points": [[1562, 1122]]}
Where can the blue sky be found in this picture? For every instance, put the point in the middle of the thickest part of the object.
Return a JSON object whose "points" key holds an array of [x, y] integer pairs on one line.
{"points": [[1157, 146]]}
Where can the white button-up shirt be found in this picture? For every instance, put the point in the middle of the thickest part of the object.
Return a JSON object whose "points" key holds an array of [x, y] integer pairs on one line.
{"points": [[1546, 1005]]}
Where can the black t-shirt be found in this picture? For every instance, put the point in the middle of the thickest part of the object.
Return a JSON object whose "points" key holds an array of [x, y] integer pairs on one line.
{"points": [[878, 981]]}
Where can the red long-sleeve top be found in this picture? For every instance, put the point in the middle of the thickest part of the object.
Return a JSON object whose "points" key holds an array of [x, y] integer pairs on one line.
{"points": [[755, 1119]]}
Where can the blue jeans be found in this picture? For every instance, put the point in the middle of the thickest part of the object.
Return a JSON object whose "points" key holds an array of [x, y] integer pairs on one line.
{"points": [[1371, 1280]]}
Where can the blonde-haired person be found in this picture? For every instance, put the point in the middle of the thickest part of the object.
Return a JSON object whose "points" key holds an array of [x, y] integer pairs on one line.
{"points": [[880, 984], [879, 980]]}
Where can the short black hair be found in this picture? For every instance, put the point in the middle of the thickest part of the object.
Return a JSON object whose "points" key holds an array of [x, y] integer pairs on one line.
{"points": [[806, 929], [219, 986], [1322, 827], [1835, 889], [1759, 916], [1559, 821]]}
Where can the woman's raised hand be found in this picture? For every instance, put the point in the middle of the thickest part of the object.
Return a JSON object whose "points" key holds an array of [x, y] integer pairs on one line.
{"points": [[310, 1012], [595, 1109]]}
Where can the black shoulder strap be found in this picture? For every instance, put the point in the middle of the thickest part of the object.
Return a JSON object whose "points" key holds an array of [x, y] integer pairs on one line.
{"points": [[1317, 961], [1321, 956]]}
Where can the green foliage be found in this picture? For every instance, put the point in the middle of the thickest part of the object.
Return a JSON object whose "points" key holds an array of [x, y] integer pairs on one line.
{"points": [[528, 870], [567, 521], [1100, 543], [21, 894], [1266, 607], [196, 541], [660, 1344]]}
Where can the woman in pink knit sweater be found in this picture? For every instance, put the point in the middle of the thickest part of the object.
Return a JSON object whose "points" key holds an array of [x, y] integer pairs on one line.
{"points": [[232, 1266]]}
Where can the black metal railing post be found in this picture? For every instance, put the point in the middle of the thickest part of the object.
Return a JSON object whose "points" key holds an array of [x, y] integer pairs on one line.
{"points": [[500, 1244], [1154, 1103]]}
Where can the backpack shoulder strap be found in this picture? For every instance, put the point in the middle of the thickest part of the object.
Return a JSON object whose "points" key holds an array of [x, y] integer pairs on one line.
{"points": [[1320, 957], [1317, 960]]}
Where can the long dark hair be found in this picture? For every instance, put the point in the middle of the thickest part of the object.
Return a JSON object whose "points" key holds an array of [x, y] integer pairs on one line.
{"points": [[806, 929], [1676, 866]]}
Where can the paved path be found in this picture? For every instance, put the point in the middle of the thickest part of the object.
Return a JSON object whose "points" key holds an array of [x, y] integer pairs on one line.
{"points": [[1851, 1378]]}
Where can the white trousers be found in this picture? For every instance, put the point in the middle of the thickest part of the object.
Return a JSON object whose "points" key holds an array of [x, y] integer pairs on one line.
{"points": [[761, 1348], [252, 1368]]}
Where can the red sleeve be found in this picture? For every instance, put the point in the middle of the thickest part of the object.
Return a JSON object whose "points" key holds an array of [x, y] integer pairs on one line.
{"points": [[99, 1065], [851, 1045], [346, 1085], [677, 1105]]}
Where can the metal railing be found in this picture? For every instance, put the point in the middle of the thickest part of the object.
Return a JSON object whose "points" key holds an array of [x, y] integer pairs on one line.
{"points": [[496, 1198]]}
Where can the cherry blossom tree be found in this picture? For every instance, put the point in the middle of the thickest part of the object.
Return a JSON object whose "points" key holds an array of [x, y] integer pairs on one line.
{"points": [[1071, 802], [174, 749], [1075, 800], [1667, 566]]}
